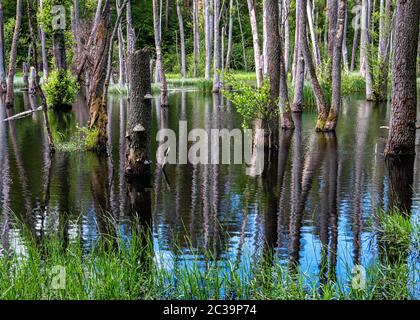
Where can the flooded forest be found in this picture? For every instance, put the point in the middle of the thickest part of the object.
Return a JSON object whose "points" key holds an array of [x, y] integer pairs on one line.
{"points": [[209, 149]]}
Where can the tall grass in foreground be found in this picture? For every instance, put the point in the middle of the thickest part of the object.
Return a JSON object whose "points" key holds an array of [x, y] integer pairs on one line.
{"points": [[117, 268]]}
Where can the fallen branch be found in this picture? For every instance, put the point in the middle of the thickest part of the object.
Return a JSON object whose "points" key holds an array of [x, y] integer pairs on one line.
{"points": [[22, 114]]}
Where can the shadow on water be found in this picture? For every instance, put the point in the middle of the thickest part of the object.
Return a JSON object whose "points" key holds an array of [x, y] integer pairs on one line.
{"points": [[311, 209]]}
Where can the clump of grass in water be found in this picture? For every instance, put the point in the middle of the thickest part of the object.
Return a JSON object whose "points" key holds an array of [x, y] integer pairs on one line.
{"points": [[82, 140]]}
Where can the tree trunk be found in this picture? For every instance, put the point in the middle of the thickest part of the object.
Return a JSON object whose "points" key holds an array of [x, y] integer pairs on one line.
{"points": [[332, 28], [25, 77], [44, 55], [97, 102], [345, 51], [230, 37], [3, 82], [255, 41], [285, 18], [139, 116], [365, 69], [299, 75], [182, 36], [131, 37], [319, 95], [216, 53], [59, 50], [195, 36], [121, 49], [167, 6], [159, 57], [331, 123], [315, 47], [207, 36], [13, 56], [242, 36], [402, 134], [32, 81], [356, 23]]}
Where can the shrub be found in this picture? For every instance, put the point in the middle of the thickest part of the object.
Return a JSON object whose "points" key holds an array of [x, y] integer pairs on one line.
{"points": [[61, 88]]}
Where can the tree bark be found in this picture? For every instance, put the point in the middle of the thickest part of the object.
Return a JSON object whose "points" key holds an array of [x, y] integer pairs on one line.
{"points": [[13, 55], [230, 37], [332, 28], [59, 50], [131, 37], [207, 36], [322, 106], [355, 40], [159, 57], [299, 70], [315, 47], [331, 123], [196, 40], [139, 116], [121, 49], [402, 134], [285, 18], [182, 36], [364, 49], [242, 36], [44, 55], [3, 82], [216, 46], [255, 41]]}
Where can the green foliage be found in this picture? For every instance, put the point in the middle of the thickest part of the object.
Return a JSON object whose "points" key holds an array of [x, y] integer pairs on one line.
{"points": [[45, 16], [61, 88], [82, 139], [250, 102]]}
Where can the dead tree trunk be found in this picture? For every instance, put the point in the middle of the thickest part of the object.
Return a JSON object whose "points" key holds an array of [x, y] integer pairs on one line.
{"points": [[3, 82], [139, 116], [159, 56], [13, 54], [402, 134]]}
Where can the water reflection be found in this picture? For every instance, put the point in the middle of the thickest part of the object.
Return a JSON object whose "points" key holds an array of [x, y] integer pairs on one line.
{"points": [[310, 210]]}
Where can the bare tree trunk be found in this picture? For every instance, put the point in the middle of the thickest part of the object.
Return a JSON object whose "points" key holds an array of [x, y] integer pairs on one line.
{"points": [[207, 36], [255, 41], [25, 77], [331, 123], [131, 37], [13, 54], [159, 57], [59, 50], [182, 36], [364, 49], [230, 36], [3, 82], [167, 6], [319, 95], [121, 49], [216, 54], [332, 28], [299, 75], [139, 116], [242, 36], [402, 134], [285, 20], [76, 25], [315, 47], [356, 22], [196, 41], [44, 55], [345, 51]]}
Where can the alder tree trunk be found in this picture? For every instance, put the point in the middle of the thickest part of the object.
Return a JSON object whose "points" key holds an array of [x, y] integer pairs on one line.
{"points": [[207, 36], [159, 56], [13, 56], [299, 70], [182, 36], [139, 116], [255, 41], [3, 82], [402, 133], [216, 48]]}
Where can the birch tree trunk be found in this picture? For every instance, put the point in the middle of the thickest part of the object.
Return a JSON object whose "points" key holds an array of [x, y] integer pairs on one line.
{"points": [[159, 57], [3, 82], [331, 123], [139, 116], [182, 36], [402, 133], [13, 54], [216, 54], [230, 36], [255, 41]]}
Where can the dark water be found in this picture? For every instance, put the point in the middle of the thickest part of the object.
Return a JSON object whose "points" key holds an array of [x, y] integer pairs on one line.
{"points": [[313, 206]]}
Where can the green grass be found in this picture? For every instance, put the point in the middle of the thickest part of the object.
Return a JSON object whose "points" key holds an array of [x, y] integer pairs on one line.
{"points": [[83, 139], [128, 269]]}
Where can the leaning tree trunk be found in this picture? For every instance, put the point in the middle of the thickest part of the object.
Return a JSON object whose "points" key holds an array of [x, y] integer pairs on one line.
{"points": [[216, 48], [98, 117], [255, 41], [331, 123], [182, 36], [319, 95], [13, 55], [315, 47], [139, 116], [402, 134], [3, 82], [159, 57]]}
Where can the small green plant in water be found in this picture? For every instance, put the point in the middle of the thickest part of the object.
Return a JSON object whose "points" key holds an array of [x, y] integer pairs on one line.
{"points": [[250, 102], [61, 88], [83, 139]]}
